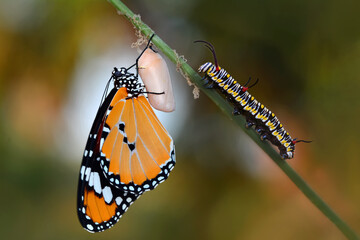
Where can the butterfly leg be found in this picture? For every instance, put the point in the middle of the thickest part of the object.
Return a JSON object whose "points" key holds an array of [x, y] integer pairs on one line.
{"points": [[138, 58]]}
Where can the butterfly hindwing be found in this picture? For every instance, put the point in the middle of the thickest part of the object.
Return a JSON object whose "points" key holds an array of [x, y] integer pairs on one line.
{"points": [[101, 204]]}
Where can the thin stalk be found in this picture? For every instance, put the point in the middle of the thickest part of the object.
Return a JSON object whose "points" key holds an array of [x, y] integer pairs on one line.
{"points": [[227, 109]]}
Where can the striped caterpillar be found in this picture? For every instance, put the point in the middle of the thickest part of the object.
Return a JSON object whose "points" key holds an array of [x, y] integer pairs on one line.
{"points": [[266, 123]]}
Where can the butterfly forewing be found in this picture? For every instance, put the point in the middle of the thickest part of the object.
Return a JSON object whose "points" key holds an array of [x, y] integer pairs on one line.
{"points": [[137, 153], [100, 205]]}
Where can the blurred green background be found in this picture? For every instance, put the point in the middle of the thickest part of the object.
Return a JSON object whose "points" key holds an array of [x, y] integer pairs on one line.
{"points": [[55, 59]]}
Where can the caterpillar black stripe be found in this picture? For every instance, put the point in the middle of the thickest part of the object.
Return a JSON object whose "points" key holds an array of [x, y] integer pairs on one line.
{"points": [[266, 123]]}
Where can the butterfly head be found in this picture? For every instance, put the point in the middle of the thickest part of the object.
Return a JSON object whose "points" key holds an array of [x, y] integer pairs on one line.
{"points": [[125, 79], [118, 73]]}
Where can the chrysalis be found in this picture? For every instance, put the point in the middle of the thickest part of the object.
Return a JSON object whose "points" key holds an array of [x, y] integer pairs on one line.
{"points": [[155, 75]]}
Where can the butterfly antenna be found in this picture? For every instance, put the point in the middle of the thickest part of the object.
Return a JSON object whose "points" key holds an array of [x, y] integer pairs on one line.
{"points": [[147, 46], [137, 59]]}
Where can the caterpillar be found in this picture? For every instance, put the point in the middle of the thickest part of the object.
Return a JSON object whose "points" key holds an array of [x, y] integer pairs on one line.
{"points": [[266, 124]]}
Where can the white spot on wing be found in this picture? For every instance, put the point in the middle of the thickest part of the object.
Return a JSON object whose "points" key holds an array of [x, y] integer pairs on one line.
{"points": [[97, 184], [101, 143], [91, 180], [90, 227], [118, 201], [87, 174], [82, 172], [107, 194]]}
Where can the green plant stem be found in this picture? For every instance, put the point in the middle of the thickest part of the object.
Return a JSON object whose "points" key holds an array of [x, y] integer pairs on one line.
{"points": [[227, 109]]}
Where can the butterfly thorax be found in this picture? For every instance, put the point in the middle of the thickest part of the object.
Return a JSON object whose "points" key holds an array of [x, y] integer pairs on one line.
{"points": [[125, 79]]}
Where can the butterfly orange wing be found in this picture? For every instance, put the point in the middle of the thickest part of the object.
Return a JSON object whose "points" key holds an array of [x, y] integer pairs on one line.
{"points": [[137, 153], [99, 203], [128, 152]]}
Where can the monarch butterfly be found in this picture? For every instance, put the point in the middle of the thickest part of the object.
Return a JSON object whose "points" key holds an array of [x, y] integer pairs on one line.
{"points": [[155, 75], [256, 114], [128, 152]]}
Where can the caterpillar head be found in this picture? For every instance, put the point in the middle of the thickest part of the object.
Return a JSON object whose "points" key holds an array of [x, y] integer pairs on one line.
{"points": [[207, 68], [289, 151], [291, 148]]}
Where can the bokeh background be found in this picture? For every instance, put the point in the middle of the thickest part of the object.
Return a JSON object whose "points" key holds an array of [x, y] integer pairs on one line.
{"points": [[55, 59]]}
